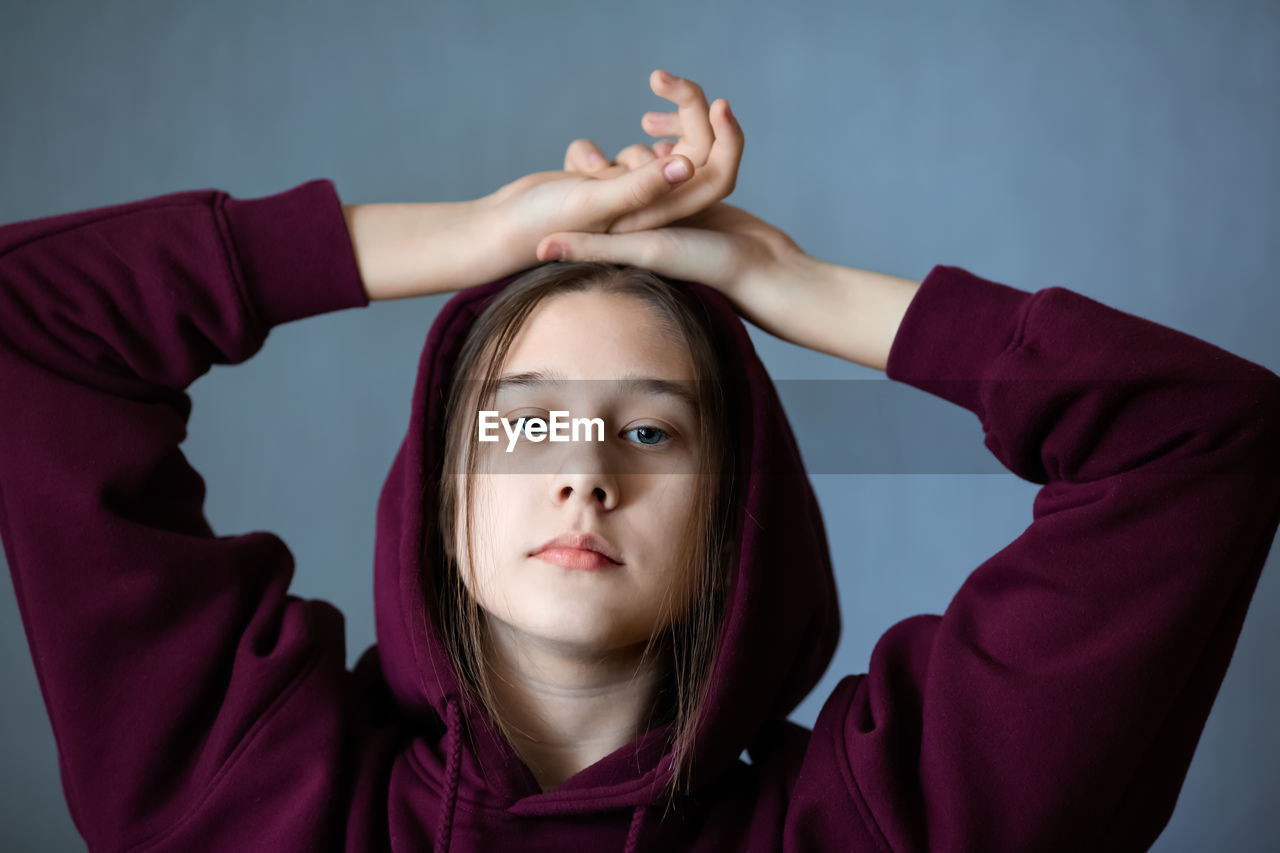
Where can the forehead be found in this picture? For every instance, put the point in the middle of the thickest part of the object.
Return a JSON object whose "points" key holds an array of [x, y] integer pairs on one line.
{"points": [[596, 335]]}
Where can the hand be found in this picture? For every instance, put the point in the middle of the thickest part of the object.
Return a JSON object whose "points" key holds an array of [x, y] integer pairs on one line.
{"points": [[710, 138], [753, 263], [418, 249], [526, 209], [772, 282]]}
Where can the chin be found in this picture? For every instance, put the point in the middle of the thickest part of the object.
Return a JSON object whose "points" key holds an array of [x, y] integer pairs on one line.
{"points": [[577, 629], [590, 629]]}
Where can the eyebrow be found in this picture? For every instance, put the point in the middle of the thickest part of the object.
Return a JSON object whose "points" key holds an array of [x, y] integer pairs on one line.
{"points": [[630, 383]]}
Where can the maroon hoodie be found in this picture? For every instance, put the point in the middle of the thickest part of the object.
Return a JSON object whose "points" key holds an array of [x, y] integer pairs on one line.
{"points": [[198, 705]]}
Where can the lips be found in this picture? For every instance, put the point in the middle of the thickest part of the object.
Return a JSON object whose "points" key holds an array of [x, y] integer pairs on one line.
{"points": [[579, 551], [576, 558]]}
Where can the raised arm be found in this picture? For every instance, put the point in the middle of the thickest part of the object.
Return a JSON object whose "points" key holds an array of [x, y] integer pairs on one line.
{"points": [[172, 659], [166, 655], [1057, 703]]}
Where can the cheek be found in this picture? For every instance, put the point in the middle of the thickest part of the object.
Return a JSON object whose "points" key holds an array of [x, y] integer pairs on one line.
{"points": [[495, 534], [673, 509], [675, 496]]}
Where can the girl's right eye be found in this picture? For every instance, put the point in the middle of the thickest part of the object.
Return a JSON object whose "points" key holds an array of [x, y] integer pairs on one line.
{"points": [[651, 430]]}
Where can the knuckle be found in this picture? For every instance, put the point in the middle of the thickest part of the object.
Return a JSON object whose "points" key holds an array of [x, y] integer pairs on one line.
{"points": [[580, 148]]}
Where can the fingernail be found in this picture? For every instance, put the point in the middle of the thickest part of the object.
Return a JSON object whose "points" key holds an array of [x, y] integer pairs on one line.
{"points": [[728, 113], [596, 159], [665, 79], [554, 252], [676, 170]]}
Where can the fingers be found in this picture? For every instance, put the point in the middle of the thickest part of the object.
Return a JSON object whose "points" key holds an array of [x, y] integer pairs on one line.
{"points": [[641, 248], [716, 178], [583, 155], [661, 124], [726, 155], [610, 198], [696, 134], [709, 139], [635, 156]]}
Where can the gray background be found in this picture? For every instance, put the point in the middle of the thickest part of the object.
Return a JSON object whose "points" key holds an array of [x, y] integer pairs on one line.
{"points": [[1126, 150]]}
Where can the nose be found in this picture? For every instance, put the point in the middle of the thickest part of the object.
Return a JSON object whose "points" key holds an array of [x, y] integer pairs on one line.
{"points": [[597, 488]]}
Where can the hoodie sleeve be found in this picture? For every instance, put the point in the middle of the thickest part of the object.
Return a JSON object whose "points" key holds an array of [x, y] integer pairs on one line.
{"points": [[167, 656], [1057, 702]]}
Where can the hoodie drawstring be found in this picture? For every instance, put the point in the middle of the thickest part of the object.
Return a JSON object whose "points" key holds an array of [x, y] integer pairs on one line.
{"points": [[453, 747], [633, 835]]}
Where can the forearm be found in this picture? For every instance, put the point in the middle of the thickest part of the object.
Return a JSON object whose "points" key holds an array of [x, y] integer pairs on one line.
{"points": [[406, 250], [856, 313]]}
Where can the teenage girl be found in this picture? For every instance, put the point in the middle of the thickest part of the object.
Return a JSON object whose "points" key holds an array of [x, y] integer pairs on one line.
{"points": [[578, 640]]}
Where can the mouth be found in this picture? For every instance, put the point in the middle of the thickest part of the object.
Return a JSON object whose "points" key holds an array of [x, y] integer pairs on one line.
{"points": [[584, 551], [576, 558]]}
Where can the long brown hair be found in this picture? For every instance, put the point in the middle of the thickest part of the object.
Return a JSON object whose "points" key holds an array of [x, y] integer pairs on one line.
{"points": [[688, 646]]}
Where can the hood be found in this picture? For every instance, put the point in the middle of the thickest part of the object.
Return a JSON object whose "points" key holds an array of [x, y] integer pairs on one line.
{"points": [[781, 623]]}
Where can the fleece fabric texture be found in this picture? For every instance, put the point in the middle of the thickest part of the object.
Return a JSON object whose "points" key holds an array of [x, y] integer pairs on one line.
{"points": [[199, 705]]}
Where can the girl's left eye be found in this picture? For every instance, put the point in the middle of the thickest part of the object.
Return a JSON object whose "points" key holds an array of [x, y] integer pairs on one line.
{"points": [[651, 435]]}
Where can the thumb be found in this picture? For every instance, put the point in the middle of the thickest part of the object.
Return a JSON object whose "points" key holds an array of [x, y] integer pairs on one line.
{"points": [[636, 248], [612, 197]]}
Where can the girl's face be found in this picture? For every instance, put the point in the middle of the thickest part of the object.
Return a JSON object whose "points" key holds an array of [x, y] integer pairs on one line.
{"points": [[634, 488]]}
